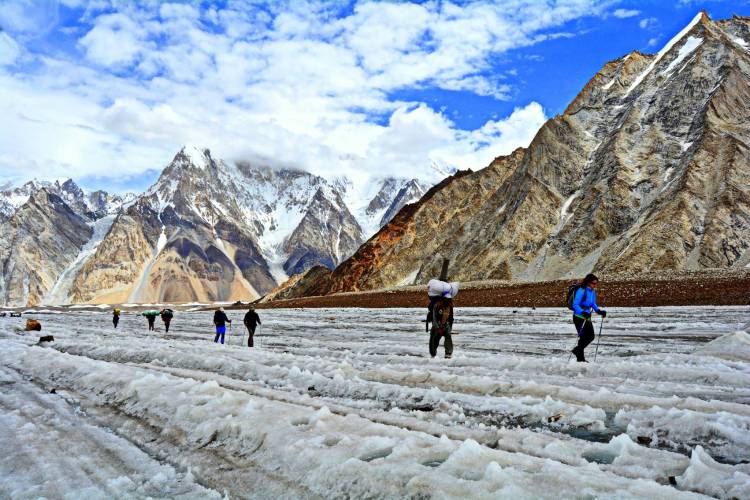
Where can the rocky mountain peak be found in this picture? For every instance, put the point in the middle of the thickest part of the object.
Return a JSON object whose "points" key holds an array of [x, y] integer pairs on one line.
{"points": [[647, 169]]}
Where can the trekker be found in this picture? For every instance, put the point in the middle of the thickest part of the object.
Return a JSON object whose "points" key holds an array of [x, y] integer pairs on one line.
{"points": [[440, 315], [166, 317], [251, 321], [584, 301], [220, 321], [115, 317]]}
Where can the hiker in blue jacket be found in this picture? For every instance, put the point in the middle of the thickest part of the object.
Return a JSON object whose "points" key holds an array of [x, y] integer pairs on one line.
{"points": [[220, 321], [583, 302]]}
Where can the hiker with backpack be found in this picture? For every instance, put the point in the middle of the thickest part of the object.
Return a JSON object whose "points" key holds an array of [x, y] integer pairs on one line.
{"points": [[252, 320], [440, 315], [151, 318], [581, 299], [166, 317], [115, 317], [220, 321]]}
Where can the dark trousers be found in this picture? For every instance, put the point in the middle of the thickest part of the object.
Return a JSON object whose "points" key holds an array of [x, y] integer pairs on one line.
{"points": [[219, 336], [435, 335], [151, 323], [115, 320], [250, 333], [166, 325], [586, 335]]}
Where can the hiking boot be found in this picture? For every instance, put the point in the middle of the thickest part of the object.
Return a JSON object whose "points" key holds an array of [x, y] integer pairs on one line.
{"points": [[448, 356]]}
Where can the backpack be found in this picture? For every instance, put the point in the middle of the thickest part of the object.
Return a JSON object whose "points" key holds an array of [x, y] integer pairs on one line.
{"points": [[441, 314], [167, 313], [572, 289]]}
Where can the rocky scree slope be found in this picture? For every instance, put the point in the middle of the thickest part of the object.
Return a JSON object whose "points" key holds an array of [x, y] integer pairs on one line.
{"points": [[647, 169]]}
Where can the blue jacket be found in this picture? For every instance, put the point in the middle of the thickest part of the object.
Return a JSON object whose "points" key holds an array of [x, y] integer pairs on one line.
{"points": [[581, 306]]}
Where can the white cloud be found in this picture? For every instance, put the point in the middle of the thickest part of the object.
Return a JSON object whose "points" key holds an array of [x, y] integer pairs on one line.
{"points": [[625, 13], [648, 23], [9, 49], [115, 40], [297, 84], [28, 18]]}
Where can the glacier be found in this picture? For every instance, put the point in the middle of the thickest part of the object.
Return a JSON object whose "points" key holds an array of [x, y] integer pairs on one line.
{"points": [[347, 403]]}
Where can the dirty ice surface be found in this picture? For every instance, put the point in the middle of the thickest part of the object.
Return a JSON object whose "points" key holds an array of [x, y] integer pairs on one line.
{"points": [[346, 403]]}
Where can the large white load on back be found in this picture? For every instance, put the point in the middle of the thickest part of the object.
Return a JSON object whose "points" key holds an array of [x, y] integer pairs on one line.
{"points": [[437, 288]]}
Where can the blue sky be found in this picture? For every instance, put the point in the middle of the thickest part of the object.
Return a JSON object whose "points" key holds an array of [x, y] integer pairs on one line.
{"points": [[107, 92]]}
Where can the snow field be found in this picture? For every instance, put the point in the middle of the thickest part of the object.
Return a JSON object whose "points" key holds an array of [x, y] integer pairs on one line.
{"points": [[347, 403]]}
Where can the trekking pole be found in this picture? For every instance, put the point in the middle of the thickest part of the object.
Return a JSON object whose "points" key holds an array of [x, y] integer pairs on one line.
{"points": [[604, 301]]}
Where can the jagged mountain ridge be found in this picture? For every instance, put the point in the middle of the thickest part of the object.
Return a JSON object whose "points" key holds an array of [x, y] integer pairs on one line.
{"points": [[37, 243], [218, 231], [647, 169], [90, 205], [206, 230]]}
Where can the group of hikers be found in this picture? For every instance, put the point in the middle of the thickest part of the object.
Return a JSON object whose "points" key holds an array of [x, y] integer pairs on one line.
{"points": [[581, 300], [251, 321]]}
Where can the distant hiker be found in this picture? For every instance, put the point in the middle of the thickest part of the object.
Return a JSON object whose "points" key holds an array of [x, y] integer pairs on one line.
{"points": [[440, 315], [166, 317], [115, 317], [251, 321], [582, 299], [220, 321], [151, 318]]}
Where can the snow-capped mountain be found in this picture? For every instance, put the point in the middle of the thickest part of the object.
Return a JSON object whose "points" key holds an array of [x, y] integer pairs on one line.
{"points": [[206, 230], [211, 230], [91, 206], [647, 169]]}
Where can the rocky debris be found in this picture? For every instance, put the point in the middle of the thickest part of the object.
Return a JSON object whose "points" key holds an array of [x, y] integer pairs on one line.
{"points": [[47, 338], [33, 325], [648, 169], [707, 287]]}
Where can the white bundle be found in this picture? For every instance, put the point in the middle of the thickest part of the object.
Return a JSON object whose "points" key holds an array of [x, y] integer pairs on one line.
{"points": [[437, 288]]}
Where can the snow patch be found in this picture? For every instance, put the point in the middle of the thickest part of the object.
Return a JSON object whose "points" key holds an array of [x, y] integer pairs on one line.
{"points": [[60, 291], [663, 52], [739, 41], [705, 475], [689, 46], [735, 346]]}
